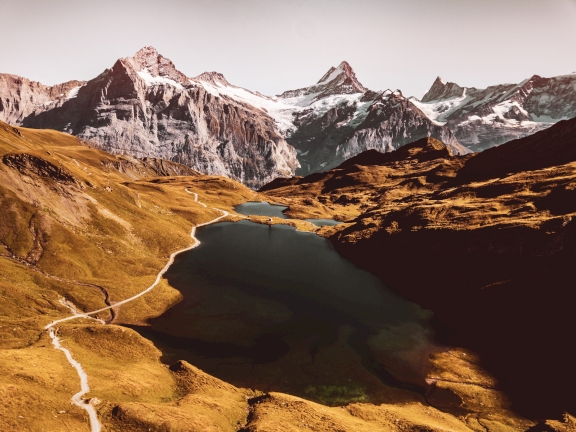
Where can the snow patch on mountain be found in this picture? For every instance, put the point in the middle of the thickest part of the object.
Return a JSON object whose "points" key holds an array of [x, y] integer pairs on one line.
{"points": [[320, 107], [360, 114], [73, 93], [494, 115], [280, 110], [152, 80], [440, 110], [284, 110], [504, 107], [332, 74], [500, 116]]}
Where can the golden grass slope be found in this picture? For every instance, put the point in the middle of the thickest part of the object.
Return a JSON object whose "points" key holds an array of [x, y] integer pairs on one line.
{"points": [[92, 228], [75, 223]]}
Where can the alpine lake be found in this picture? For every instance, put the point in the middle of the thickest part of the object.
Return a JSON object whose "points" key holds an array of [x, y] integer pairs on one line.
{"points": [[274, 309]]}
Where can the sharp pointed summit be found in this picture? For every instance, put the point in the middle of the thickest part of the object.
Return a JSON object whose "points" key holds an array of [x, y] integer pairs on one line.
{"points": [[344, 78], [150, 62], [338, 80], [442, 90]]}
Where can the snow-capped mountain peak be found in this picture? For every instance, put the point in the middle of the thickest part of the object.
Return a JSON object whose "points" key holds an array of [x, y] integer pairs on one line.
{"points": [[441, 90], [483, 118], [338, 80], [344, 70], [151, 65]]}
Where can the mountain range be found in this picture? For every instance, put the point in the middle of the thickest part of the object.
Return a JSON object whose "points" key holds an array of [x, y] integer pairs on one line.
{"points": [[144, 107], [484, 118]]}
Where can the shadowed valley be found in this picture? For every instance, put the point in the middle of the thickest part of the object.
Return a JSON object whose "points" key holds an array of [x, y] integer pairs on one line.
{"points": [[486, 241]]}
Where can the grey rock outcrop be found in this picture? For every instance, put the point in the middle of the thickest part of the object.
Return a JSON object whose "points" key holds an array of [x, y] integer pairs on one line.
{"points": [[20, 97], [484, 118], [143, 106], [338, 118]]}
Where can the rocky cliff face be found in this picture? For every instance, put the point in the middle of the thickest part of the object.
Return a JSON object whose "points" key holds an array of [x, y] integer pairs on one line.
{"points": [[328, 134], [338, 118], [143, 106], [20, 97], [483, 118]]}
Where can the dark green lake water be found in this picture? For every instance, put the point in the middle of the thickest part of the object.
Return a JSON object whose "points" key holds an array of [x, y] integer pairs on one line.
{"points": [[275, 309]]}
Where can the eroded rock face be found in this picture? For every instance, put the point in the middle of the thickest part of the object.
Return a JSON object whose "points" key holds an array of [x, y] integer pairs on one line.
{"points": [[147, 167], [32, 165], [20, 97], [484, 118], [382, 121], [143, 106], [338, 118]]}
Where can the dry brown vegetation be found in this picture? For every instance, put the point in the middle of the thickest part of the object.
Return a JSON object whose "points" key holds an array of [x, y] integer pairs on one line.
{"points": [[485, 241], [92, 228], [77, 223]]}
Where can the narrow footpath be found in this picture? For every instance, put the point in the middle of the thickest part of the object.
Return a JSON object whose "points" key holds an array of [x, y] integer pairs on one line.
{"points": [[95, 425]]}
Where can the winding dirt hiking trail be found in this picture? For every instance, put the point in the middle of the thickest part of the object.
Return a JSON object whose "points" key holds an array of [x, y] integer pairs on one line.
{"points": [[95, 425]]}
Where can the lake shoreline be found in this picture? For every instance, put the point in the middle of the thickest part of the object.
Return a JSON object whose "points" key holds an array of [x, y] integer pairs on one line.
{"points": [[378, 396]]}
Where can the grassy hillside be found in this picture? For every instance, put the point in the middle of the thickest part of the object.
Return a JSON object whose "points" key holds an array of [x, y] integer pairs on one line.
{"points": [[81, 225], [80, 228]]}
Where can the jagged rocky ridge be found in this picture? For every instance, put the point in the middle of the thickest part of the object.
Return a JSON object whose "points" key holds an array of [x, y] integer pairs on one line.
{"points": [[20, 97], [483, 118], [143, 106], [338, 117]]}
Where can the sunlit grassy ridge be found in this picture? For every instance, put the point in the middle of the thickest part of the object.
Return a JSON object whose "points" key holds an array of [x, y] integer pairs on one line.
{"points": [[76, 223], [74, 219]]}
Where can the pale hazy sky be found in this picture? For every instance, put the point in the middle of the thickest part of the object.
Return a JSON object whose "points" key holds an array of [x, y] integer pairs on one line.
{"points": [[277, 45]]}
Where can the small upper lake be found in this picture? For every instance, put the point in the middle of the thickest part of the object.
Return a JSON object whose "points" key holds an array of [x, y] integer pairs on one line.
{"points": [[261, 209], [266, 209], [271, 308]]}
